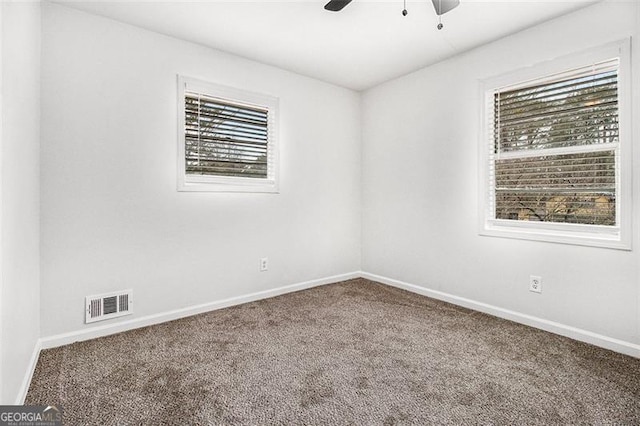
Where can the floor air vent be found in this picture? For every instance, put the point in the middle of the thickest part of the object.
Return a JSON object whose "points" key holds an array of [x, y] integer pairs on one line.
{"points": [[109, 305]]}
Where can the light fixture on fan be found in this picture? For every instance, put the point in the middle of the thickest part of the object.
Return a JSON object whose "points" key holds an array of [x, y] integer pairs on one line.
{"points": [[441, 7]]}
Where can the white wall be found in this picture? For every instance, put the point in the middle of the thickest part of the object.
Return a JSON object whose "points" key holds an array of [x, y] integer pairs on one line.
{"points": [[420, 188], [111, 216], [20, 179]]}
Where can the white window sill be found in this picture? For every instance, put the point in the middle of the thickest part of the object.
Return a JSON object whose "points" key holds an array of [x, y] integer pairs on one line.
{"points": [[574, 234], [230, 185]]}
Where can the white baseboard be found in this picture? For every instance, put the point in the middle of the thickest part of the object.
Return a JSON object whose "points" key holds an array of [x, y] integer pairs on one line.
{"points": [[24, 388], [595, 339], [118, 327]]}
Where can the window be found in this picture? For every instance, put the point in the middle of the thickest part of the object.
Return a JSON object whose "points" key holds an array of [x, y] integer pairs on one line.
{"points": [[226, 139], [556, 165]]}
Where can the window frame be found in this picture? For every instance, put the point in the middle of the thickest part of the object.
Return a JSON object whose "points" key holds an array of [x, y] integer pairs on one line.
{"points": [[616, 237], [236, 97]]}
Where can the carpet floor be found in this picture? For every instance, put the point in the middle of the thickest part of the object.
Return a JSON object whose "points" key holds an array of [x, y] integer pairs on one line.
{"points": [[355, 352]]}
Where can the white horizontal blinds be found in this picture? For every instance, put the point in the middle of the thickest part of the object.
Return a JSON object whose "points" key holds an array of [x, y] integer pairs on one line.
{"points": [[223, 138], [555, 143]]}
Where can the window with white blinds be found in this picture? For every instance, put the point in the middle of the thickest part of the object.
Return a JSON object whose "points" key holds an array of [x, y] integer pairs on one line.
{"points": [[555, 147], [227, 139], [554, 153]]}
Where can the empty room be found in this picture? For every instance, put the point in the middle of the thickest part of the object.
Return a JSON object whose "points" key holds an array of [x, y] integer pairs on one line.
{"points": [[319, 212]]}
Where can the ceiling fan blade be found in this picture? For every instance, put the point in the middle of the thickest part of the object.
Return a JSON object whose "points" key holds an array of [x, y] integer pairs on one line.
{"points": [[336, 5], [444, 6]]}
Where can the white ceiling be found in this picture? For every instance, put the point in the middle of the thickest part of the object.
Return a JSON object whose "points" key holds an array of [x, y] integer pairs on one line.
{"points": [[366, 43]]}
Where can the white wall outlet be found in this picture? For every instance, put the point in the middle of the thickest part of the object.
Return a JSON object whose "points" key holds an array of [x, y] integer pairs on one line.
{"points": [[264, 264], [535, 284]]}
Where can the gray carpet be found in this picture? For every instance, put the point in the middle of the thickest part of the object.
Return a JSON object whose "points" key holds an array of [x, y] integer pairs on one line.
{"points": [[355, 352]]}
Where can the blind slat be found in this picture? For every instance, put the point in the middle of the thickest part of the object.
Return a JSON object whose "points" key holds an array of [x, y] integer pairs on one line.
{"points": [[588, 104], [194, 113], [608, 89], [600, 109], [213, 140], [583, 101], [210, 100], [224, 132], [509, 98], [574, 129]]}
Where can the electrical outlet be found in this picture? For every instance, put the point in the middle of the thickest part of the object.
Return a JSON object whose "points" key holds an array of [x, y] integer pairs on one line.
{"points": [[264, 264], [535, 284]]}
